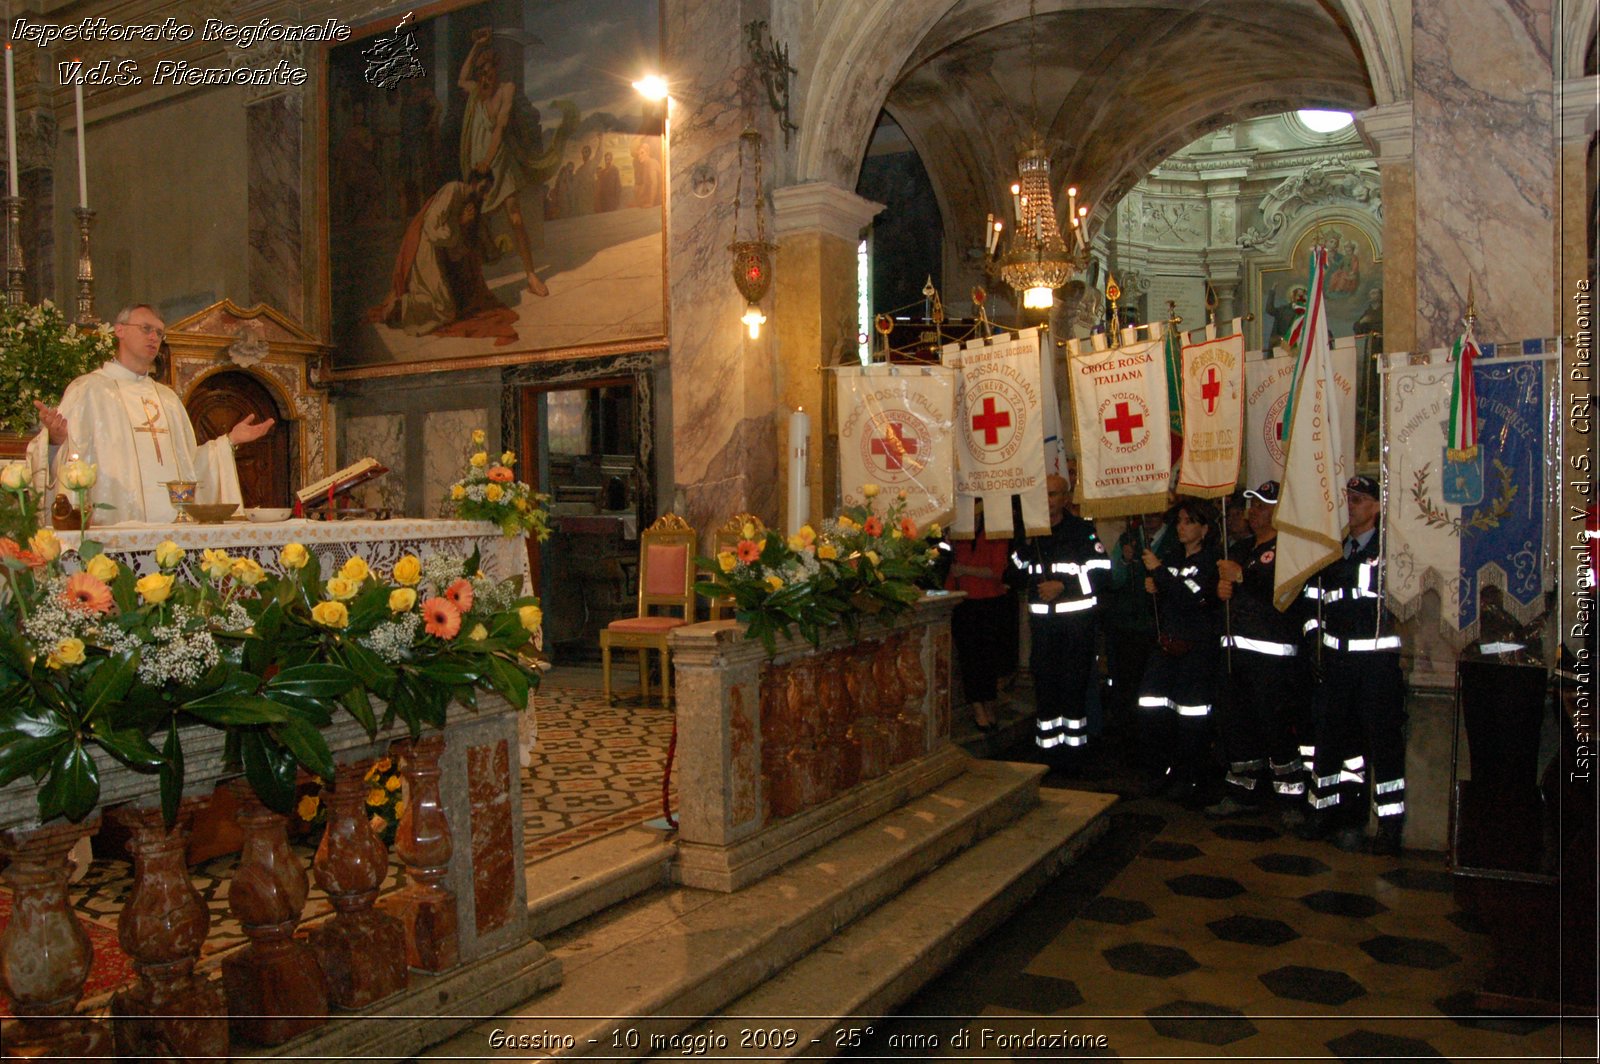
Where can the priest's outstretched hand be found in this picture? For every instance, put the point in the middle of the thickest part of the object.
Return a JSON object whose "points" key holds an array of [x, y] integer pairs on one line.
{"points": [[250, 430], [53, 421]]}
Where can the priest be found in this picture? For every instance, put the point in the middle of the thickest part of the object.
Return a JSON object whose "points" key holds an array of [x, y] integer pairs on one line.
{"points": [[137, 431]]}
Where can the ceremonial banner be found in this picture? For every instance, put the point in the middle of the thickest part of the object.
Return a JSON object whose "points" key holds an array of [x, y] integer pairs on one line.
{"points": [[999, 432], [1213, 416], [1454, 526], [896, 430], [1311, 517], [1120, 419], [1266, 395]]}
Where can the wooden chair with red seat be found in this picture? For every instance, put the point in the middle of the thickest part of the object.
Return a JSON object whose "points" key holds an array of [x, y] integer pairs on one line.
{"points": [[666, 580], [727, 538]]}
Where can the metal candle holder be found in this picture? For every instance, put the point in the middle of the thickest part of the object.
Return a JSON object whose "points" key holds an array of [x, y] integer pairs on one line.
{"points": [[16, 271], [86, 314]]}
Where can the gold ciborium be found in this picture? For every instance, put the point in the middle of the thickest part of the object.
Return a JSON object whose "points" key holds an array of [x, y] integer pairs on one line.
{"points": [[181, 494]]}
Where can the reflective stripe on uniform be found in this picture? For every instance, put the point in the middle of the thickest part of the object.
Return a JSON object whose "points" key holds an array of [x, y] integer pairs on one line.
{"points": [[1071, 606], [1360, 646], [1282, 787], [1260, 646], [1390, 785], [1323, 803], [1192, 711], [1393, 809]]}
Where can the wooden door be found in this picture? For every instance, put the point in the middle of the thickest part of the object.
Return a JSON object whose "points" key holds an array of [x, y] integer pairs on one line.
{"points": [[220, 402]]}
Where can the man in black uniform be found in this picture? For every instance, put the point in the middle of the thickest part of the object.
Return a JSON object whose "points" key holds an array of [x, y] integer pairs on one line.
{"points": [[1260, 673], [1360, 703], [1065, 572]]}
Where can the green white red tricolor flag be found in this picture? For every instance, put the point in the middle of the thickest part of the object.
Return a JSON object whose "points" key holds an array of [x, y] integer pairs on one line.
{"points": [[1463, 440]]}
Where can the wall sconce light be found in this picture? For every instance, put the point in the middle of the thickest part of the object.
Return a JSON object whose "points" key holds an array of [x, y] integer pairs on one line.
{"points": [[752, 259], [652, 87]]}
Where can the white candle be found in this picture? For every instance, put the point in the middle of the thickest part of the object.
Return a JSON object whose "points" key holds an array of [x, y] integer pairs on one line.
{"points": [[799, 456], [11, 126], [83, 167]]}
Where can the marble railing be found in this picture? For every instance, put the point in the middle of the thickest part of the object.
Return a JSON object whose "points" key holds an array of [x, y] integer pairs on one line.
{"points": [[779, 755], [453, 939]]}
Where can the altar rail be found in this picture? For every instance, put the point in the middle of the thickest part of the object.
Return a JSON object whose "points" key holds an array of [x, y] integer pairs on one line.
{"points": [[778, 756], [451, 944]]}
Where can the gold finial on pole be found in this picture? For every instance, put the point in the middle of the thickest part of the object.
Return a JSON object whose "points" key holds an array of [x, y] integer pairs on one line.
{"points": [[1173, 318], [1472, 310], [1114, 326]]}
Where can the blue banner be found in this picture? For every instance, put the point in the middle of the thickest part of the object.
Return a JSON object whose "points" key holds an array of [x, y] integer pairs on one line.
{"points": [[1504, 530]]}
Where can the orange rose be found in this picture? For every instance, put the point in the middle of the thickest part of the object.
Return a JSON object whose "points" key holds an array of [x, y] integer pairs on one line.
{"points": [[441, 618], [873, 526], [908, 528], [501, 475], [460, 595], [749, 551], [87, 593]]}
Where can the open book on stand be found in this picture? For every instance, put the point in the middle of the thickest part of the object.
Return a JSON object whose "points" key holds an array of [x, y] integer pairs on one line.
{"points": [[341, 481]]}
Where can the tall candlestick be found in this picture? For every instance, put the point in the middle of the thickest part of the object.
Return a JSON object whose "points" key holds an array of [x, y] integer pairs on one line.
{"points": [[83, 167], [799, 457], [11, 126]]}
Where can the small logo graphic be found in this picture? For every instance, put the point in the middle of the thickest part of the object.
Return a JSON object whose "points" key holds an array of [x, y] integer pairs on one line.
{"points": [[1267, 556], [996, 413], [1272, 429], [1210, 388], [895, 445], [1126, 418], [392, 59]]}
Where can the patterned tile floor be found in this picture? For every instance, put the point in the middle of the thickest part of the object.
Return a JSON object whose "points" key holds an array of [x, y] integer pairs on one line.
{"points": [[1182, 938]]}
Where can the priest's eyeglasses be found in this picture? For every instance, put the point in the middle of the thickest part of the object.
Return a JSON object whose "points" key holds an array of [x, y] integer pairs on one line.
{"points": [[149, 330]]}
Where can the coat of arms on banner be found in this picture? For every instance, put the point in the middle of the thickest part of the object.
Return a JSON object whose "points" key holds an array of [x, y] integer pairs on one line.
{"points": [[1000, 431]]}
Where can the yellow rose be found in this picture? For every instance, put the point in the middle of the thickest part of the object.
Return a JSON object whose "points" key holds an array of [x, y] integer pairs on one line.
{"points": [[67, 652], [79, 475], [480, 460], [392, 783], [531, 617], [376, 797], [478, 632], [102, 568], [726, 560], [402, 599], [45, 544], [294, 556], [400, 808], [14, 477], [493, 492], [872, 556], [341, 588], [216, 563], [508, 458], [478, 437], [330, 614], [168, 554], [774, 582], [408, 570], [308, 807], [796, 543], [457, 492], [845, 523], [748, 531], [154, 588], [869, 491], [936, 530], [355, 569], [521, 504], [248, 571], [827, 552]]}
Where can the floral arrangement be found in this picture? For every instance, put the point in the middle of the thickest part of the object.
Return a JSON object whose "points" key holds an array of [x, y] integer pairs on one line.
{"points": [[385, 801], [95, 659], [490, 491], [40, 353], [860, 563]]}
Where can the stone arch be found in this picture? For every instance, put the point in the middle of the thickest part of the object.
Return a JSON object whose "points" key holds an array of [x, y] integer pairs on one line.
{"points": [[1578, 32]]}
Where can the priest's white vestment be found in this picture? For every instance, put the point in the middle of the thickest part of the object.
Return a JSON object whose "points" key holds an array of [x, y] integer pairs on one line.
{"points": [[138, 433]]}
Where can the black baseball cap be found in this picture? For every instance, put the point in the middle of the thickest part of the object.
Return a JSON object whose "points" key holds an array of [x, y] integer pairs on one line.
{"points": [[1363, 485], [1267, 493]]}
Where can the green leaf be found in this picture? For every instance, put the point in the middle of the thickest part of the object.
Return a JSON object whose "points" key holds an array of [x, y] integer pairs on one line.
{"points": [[357, 703], [449, 673], [109, 683], [72, 787], [88, 550], [230, 709], [508, 679], [306, 743], [313, 681], [130, 747], [316, 711], [269, 768], [33, 736], [171, 774], [371, 669]]}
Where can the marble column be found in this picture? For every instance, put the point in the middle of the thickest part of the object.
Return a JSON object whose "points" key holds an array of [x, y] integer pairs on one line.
{"points": [[1578, 110], [1486, 173], [1387, 130], [815, 313], [273, 124]]}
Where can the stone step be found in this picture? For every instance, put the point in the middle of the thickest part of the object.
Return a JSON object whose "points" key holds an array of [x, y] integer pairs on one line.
{"points": [[874, 965], [657, 963], [575, 884]]}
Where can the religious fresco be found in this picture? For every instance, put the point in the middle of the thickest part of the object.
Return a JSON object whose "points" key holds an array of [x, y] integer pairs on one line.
{"points": [[495, 187]]}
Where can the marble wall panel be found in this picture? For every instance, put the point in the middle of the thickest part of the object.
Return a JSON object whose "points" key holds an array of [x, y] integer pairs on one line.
{"points": [[383, 438], [273, 134], [449, 432], [1485, 167]]}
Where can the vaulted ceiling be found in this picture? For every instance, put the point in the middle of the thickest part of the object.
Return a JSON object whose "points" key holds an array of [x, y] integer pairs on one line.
{"points": [[1118, 84]]}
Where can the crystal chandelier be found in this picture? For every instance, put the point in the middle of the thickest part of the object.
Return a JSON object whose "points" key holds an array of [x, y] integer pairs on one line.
{"points": [[1037, 260]]}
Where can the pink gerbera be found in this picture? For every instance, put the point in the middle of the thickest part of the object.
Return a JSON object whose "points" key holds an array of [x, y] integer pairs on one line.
{"points": [[460, 594], [749, 551], [87, 593], [873, 526], [441, 618], [908, 528]]}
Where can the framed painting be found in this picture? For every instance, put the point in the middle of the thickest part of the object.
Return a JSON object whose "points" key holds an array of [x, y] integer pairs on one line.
{"points": [[1353, 291], [495, 187]]}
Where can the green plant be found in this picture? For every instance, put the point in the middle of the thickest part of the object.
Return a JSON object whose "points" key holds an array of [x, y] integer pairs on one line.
{"points": [[490, 492], [40, 353]]}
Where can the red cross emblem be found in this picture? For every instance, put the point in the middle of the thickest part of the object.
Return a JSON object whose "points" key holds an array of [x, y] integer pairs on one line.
{"points": [[894, 445], [1211, 389], [1124, 423], [991, 421]]}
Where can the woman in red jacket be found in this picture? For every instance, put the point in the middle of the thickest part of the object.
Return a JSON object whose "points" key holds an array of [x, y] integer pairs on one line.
{"points": [[978, 567]]}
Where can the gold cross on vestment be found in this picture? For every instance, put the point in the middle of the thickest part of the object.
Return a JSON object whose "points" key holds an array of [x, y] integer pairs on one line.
{"points": [[152, 413]]}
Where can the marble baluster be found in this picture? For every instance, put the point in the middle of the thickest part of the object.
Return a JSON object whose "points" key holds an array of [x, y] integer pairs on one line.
{"points": [[914, 683], [45, 954], [275, 989], [425, 908], [169, 1011], [362, 951]]}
